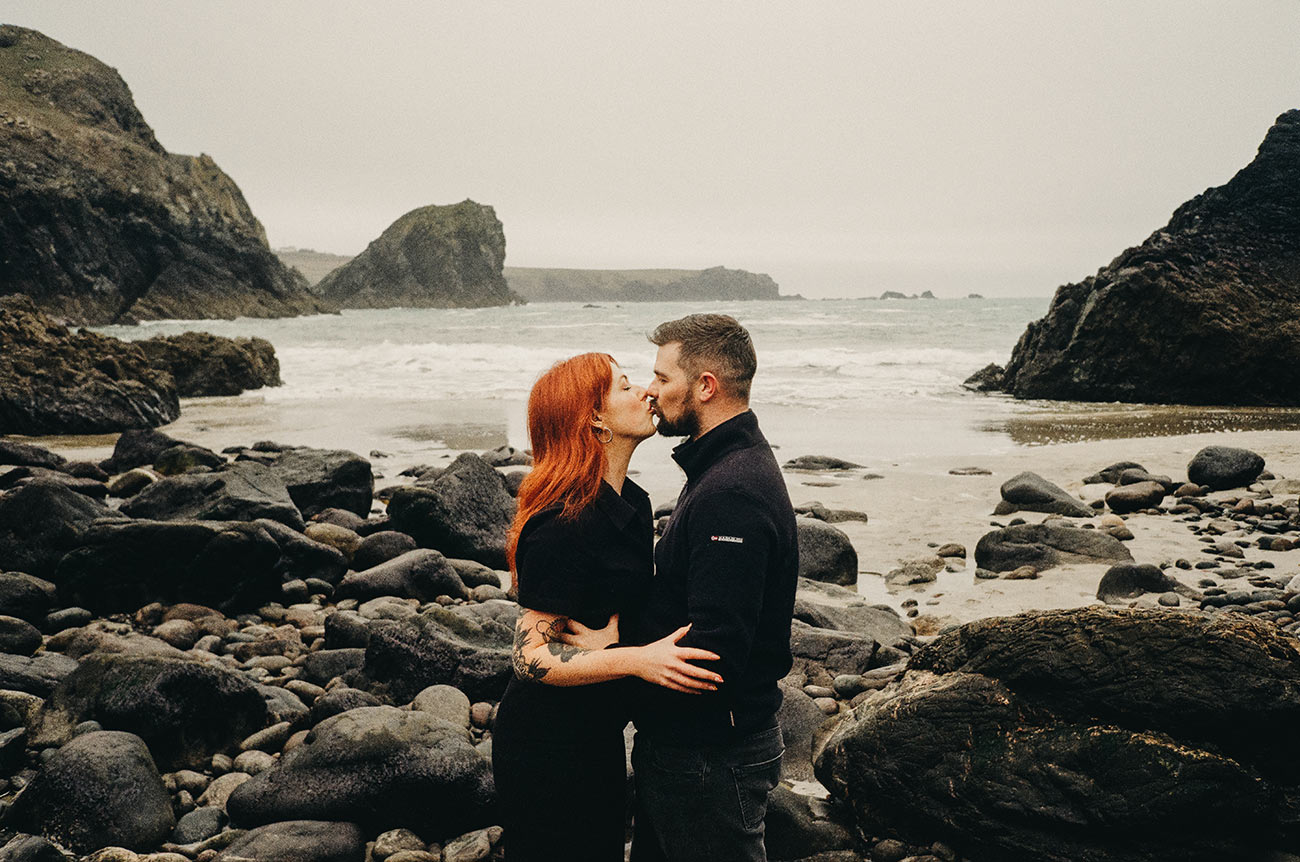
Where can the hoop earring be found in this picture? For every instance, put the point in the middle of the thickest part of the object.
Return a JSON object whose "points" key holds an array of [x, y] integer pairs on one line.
{"points": [[596, 429]]}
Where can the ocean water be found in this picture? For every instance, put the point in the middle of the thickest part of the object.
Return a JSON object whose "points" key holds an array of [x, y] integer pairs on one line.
{"points": [[873, 381]]}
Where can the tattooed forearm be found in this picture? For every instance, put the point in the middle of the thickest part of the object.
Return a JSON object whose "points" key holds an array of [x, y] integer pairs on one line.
{"points": [[550, 631], [565, 651], [525, 668]]}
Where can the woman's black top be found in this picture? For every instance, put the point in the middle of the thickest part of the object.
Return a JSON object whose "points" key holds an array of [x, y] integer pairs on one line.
{"points": [[586, 568]]}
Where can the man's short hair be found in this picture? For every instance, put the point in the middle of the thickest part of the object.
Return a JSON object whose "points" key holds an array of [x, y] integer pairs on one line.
{"points": [[716, 343]]}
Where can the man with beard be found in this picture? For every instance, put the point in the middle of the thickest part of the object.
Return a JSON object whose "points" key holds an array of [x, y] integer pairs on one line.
{"points": [[727, 564]]}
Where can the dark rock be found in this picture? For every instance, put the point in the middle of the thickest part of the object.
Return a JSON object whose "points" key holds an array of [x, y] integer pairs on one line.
{"points": [[66, 618], [18, 637], [1128, 581], [1110, 475], [320, 479], [41, 521], [97, 234], [639, 285], [1154, 324], [244, 491], [283, 705], [342, 518], [304, 559], [507, 456], [432, 257], [203, 364], [464, 647], [184, 710], [819, 463], [800, 719], [298, 841], [380, 766], [345, 629], [26, 597], [31, 848], [825, 553], [477, 575], [1029, 491], [121, 566], [924, 570], [838, 652], [797, 827], [464, 513], [200, 824], [513, 480], [1045, 545], [1223, 467], [53, 381], [186, 458], [27, 455], [987, 379], [1086, 713], [138, 448], [101, 789], [1130, 498], [13, 476], [340, 700], [38, 675], [422, 574], [324, 665], [1134, 475], [880, 622]]}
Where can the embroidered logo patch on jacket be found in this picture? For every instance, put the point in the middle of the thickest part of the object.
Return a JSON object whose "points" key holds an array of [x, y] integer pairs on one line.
{"points": [[736, 539]]}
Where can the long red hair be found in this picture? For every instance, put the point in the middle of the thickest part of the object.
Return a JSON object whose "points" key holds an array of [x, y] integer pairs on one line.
{"points": [[568, 460]]}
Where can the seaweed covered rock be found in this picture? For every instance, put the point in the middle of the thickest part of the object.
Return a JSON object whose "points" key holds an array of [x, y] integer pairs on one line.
{"points": [[1093, 734], [55, 381], [432, 257], [1160, 321], [100, 224]]}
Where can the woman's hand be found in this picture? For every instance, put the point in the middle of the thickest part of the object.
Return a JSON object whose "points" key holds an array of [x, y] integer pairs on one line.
{"points": [[576, 634], [665, 663]]}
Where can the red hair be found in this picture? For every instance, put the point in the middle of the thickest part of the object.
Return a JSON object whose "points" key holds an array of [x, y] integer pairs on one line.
{"points": [[568, 460]]}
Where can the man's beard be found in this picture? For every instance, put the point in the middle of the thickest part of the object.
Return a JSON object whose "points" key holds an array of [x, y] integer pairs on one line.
{"points": [[686, 425]]}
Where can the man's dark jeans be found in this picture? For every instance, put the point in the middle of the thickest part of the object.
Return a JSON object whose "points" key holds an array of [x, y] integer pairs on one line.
{"points": [[704, 803]]}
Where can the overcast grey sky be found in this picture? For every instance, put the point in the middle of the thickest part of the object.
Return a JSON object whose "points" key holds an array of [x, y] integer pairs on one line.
{"points": [[1002, 146]]}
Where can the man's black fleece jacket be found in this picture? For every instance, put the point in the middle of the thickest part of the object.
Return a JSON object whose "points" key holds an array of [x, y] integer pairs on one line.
{"points": [[727, 563]]}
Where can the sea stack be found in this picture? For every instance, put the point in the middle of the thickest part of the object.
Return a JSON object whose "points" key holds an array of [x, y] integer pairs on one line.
{"points": [[1205, 311], [99, 224], [432, 257]]}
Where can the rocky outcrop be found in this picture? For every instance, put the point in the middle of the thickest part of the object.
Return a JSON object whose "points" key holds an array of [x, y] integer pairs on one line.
{"points": [[1091, 734], [54, 381], [639, 285], [1205, 311], [204, 364], [432, 257], [100, 224]]}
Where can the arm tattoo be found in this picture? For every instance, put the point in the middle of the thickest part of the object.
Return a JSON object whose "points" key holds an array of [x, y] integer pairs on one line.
{"points": [[530, 670], [565, 651], [550, 633]]}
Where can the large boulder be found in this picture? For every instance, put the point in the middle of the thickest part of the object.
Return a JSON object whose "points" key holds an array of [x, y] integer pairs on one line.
{"points": [[829, 607], [838, 652], [1224, 467], [122, 566], [1128, 581], [38, 675], [244, 491], [26, 597], [381, 767], [432, 257], [464, 513], [54, 381], [1094, 733], [27, 455], [302, 558], [43, 520], [205, 364], [467, 647], [100, 224], [1045, 545], [298, 841], [185, 710], [825, 553], [320, 479], [138, 448], [422, 574], [1205, 311], [102, 789], [1029, 491]]}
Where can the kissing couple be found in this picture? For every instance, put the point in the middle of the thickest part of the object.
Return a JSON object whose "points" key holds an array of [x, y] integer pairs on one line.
{"points": [[686, 638]]}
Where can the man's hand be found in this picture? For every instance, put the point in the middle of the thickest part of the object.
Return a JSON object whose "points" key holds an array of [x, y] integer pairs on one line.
{"points": [[576, 634]]}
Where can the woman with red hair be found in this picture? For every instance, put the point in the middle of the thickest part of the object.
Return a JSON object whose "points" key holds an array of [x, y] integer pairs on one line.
{"points": [[581, 552]]}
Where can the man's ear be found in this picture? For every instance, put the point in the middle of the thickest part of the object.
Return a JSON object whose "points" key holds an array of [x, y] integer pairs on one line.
{"points": [[706, 387]]}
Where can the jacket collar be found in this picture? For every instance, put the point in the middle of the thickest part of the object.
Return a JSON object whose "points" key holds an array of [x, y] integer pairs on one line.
{"points": [[622, 508], [739, 432]]}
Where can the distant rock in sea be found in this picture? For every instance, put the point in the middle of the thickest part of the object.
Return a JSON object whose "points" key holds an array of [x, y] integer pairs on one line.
{"points": [[1205, 311], [640, 285], [99, 224], [432, 257]]}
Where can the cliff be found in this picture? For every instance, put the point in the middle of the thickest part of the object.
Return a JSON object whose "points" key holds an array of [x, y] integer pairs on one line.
{"points": [[99, 224], [432, 257], [1205, 311], [639, 285]]}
